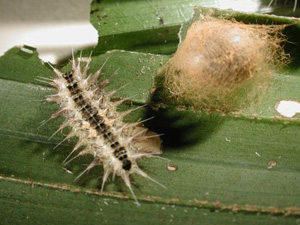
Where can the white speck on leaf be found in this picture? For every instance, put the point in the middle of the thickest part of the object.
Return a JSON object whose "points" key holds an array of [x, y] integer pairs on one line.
{"points": [[228, 140], [172, 167], [288, 108]]}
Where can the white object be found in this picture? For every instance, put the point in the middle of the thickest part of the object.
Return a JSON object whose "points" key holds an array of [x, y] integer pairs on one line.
{"points": [[288, 108]]}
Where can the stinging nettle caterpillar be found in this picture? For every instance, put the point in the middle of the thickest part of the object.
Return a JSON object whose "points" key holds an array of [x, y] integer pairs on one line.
{"points": [[100, 129]]}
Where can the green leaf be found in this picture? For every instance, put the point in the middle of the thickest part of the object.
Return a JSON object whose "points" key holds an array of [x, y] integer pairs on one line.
{"points": [[144, 26], [224, 174]]}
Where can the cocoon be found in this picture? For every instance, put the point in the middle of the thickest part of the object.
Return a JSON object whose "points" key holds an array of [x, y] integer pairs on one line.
{"points": [[223, 65]]}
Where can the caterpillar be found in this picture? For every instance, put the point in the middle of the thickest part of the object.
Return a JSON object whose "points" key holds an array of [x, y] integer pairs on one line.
{"points": [[99, 127]]}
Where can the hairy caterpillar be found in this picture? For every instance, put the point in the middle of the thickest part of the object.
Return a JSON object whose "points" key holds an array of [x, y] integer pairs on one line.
{"points": [[100, 129]]}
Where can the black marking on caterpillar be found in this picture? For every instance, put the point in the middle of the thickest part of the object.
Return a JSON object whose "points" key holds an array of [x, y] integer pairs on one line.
{"points": [[100, 129]]}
